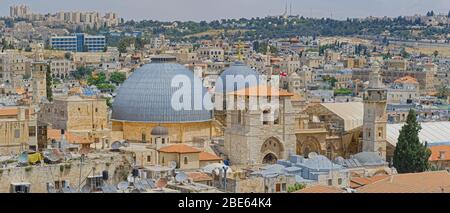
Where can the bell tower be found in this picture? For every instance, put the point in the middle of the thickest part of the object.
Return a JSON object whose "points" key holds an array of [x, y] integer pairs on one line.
{"points": [[375, 117]]}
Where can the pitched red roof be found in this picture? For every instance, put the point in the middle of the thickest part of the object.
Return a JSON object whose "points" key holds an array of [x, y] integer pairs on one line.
{"points": [[206, 156], [179, 148]]}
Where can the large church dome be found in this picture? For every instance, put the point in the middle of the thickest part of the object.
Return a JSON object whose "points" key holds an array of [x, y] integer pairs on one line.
{"points": [[146, 96], [236, 69]]}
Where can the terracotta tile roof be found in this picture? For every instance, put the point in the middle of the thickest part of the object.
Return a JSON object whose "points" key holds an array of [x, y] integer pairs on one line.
{"points": [[198, 176], [320, 189], [425, 182], [179, 148], [71, 138], [407, 79], [436, 152], [262, 90], [8, 111], [206, 156], [357, 182]]}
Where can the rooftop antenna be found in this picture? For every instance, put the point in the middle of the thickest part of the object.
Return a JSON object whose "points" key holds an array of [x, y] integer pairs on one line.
{"points": [[290, 9]]}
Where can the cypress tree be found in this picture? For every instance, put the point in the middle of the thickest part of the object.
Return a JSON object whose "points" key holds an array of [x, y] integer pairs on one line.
{"points": [[49, 81], [410, 154]]}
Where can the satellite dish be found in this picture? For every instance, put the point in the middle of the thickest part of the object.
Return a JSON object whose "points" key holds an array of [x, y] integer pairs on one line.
{"points": [[173, 164], [116, 145], [161, 183], [86, 189], [181, 177], [312, 155], [122, 185]]}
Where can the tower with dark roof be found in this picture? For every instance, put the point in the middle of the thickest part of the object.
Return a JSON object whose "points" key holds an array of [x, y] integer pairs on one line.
{"points": [[375, 117]]}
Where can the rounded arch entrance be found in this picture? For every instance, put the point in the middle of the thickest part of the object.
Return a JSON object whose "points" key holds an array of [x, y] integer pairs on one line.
{"points": [[271, 150], [308, 145]]}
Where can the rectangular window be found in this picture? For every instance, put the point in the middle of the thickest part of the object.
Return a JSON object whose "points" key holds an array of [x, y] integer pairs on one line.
{"points": [[31, 131], [17, 133], [340, 181], [283, 187], [330, 182], [277, 187], [149, 158]]}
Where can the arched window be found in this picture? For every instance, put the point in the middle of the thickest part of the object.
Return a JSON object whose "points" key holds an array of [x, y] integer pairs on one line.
{"points": [[185, 160], [144, 137]]}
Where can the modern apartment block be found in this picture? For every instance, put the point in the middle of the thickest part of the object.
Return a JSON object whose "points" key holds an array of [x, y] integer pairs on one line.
{"points": [[79, 42]]}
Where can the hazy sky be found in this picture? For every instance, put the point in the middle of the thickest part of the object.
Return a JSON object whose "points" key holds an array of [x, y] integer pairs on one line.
{"points": [[217, 9]]}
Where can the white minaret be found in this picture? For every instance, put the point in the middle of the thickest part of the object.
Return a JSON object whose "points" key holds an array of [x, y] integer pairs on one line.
{"points": [[375, 117]]}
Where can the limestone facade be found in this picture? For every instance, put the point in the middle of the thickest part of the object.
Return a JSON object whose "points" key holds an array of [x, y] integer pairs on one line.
{"points": [[86, 117], [178, 132], [251, 138]]}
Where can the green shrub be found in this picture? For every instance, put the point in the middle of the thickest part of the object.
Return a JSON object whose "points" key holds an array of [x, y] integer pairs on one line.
{"points": [[28, 169]]}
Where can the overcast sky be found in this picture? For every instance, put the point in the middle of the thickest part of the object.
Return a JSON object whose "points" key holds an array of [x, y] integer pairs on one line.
{"points": [[217, 9]]}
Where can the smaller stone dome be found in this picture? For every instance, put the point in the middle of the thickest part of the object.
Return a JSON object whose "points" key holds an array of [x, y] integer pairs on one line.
{"points": [[160, 131]]}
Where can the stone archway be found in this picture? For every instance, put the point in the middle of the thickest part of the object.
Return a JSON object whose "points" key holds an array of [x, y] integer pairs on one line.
{"points": [[270, 159], [308, 145], [271, 150]]}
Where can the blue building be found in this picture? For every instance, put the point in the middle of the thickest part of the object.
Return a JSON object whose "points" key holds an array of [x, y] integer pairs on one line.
{"points": [[79, 42]]}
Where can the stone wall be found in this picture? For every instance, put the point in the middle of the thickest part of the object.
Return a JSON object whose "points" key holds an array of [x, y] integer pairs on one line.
{"points": [[39, 176]]}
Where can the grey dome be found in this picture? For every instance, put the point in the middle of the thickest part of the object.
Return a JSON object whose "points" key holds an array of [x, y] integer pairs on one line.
{"points": [[159, 130], [146, 96], [236, 69], [369, 158]]}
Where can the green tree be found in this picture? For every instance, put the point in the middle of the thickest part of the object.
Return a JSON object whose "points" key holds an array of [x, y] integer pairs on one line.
{"points": [[435, 53], [81, 73], [68, 56], [122, 47], [97, 79], [410, 154], [295, 187], [49, 79], [117, 77]]}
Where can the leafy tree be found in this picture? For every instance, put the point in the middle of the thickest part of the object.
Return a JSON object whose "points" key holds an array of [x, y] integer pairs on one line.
{"points": [[435, 53], [330, 80], [404, 53], [97, 79], [343, 91], [81, 73], [108, 102], [122, 47], [68, 56], [49, 82], [410, 154], [117, 77], [443, 90], [295, 187]]}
